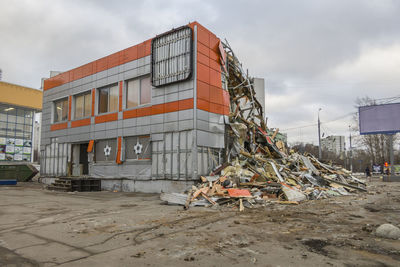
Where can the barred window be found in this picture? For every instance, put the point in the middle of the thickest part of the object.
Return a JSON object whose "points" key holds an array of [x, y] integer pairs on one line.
{"points": [[106, 150], [137, 147], [172, 56]]}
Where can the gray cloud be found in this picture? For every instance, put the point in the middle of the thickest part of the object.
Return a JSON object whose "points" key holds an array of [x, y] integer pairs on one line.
{"points": [[311, 53]]}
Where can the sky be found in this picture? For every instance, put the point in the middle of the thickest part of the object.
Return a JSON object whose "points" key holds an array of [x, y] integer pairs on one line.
{"points": [[312, 53]]}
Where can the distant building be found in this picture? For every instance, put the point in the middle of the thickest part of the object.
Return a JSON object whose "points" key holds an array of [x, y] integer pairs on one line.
{"points": [[18, 106], [333, 143]]}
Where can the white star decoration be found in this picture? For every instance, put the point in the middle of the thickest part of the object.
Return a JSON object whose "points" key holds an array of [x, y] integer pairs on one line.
{"points": [[138, 148], [107, 150]]}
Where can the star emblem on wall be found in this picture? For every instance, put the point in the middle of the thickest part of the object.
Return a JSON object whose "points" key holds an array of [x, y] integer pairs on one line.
{"points": [[138, 148], [107, 150]]}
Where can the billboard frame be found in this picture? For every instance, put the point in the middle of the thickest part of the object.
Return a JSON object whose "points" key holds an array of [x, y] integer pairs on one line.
{"points": [[375, 132]]}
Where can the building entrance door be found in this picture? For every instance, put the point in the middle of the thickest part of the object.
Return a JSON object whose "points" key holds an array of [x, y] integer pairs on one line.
{"points": [[83, 159], [80, 164]]}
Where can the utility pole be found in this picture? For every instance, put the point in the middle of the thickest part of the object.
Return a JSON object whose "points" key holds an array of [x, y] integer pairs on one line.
{"points": [[350, 151], [319, 137], [391, 155]]}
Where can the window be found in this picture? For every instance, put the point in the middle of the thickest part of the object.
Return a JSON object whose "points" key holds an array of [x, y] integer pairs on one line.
{"points": [[108, 99], [61, 110], [137, 147], [171, 56], [15, 133], [106, 150], [83, 105], [138, 92]]}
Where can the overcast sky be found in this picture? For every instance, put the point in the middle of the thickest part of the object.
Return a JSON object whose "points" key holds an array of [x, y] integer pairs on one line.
{"points": [[313, 54]]}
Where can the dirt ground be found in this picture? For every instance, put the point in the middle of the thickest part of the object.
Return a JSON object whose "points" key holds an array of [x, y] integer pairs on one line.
{"points": [[46, 228]]}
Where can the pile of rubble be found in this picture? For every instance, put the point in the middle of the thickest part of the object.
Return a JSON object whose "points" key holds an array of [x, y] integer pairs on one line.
{"points": [[258, 169]]}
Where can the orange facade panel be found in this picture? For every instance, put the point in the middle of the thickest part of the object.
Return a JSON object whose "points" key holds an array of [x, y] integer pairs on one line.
{"points": [[203, 73], [129, 114], [214, 42], [106, 118], [130, 54], [203, 35], [203, 90], [90, 146], [141, 112], [171, 107], [119, 145], [203, 104], [203, 59], [113, 60], [186, 104], [203, 49], [157, 109], [216, 108], [59, 126], [216, 95], [211, 96], [79, 123]]}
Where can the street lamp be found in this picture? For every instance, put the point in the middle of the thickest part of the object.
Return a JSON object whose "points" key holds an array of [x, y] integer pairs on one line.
{"points": [[319, 137], [350, 151]]}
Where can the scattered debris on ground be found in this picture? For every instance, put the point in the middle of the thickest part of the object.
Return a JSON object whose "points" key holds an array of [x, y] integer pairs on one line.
{"points": [[259, 169]]}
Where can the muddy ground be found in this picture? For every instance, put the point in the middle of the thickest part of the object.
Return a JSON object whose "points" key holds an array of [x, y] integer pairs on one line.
{"points": [[46, 228]]}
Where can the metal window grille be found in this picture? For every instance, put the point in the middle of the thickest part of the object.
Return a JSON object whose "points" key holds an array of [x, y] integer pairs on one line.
{"points": [[172, 56]]}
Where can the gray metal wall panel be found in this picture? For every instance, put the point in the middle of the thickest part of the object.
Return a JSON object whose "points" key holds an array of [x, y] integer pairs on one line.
{"points": [[203, 125], [185, 125], [143, 130], [171, 126], [185, 85], [111, 133], [130, 131], [203, 115], [171, 97], [155, 100], [171, 116], [186, 94], [157, 128], [142, 121], [129, 122], [156, 119]]}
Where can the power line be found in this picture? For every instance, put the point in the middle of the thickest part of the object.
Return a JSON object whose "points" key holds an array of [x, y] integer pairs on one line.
{"points": [[390, 99]]}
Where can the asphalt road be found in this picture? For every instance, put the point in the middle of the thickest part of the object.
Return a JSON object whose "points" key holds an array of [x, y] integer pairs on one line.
{"points": [[45, 228]]}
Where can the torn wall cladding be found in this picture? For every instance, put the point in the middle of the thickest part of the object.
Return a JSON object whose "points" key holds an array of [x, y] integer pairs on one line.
{"points": [[153, 114]]}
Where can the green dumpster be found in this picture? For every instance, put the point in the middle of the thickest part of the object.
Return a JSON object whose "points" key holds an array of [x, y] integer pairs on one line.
{"points": [[21, 172]]}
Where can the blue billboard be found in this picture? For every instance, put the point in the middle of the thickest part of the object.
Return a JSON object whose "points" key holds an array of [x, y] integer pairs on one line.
{"points": [[379, 119]]}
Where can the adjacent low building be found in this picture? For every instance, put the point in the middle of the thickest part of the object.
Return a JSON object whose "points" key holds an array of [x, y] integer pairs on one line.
{"points": [[148, 118], [18, 106]]}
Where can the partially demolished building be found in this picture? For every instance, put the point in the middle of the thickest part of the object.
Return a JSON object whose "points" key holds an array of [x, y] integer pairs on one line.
{"points": [[148, 118]]}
